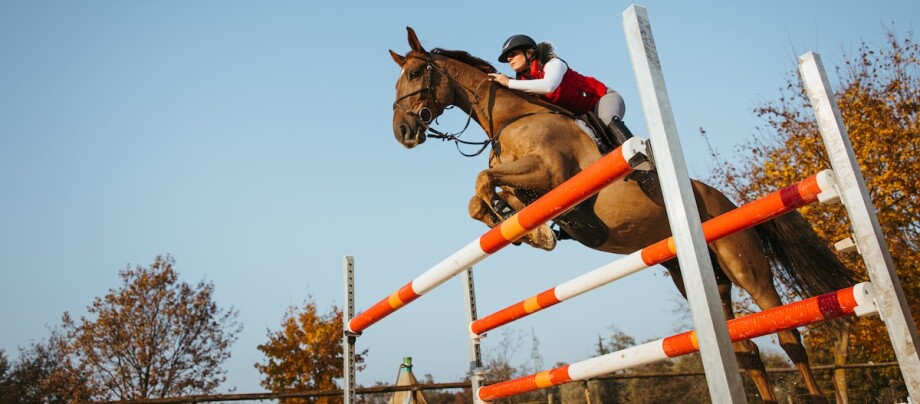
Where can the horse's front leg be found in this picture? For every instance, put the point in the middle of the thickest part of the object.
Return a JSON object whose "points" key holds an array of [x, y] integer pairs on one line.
{"points": [[542, 237], [525, 173], [484, 212]]}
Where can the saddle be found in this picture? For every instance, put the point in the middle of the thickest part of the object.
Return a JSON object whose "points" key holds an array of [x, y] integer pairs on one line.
{"points": [[606, 137]]}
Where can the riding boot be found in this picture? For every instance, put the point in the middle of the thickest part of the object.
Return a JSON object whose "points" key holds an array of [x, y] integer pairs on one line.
{"points": [[620, 132], [648, 180]]}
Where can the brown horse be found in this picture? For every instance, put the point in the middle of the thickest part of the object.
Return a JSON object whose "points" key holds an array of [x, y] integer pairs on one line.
{"points": [[535, 148]]}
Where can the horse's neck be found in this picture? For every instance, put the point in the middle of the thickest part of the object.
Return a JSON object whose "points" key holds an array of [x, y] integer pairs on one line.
{"points": [[489, 104]]}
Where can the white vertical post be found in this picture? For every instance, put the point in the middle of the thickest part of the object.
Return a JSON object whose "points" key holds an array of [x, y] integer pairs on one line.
{"points": [[722, 374], [348, 338], [870, 240], [469, 298]]}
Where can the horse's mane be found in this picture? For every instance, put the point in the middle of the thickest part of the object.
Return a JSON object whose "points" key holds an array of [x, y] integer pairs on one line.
{"points": [[482, 65], [465, 57]]}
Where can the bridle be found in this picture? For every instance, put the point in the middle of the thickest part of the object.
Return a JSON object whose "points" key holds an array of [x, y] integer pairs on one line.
{"points": [[424, 116]]}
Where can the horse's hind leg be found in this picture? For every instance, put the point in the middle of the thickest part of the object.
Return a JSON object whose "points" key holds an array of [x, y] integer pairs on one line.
{"points": [[791, 342], [746, 352], [742, 257]]}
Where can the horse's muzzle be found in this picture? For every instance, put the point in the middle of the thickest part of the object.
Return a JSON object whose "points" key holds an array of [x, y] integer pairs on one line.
{"points": [[408, 136]]}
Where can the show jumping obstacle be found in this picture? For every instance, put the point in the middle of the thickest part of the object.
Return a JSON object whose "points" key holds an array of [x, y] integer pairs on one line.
{"points": [[615, 165], [859, 299], [816, 187], [713, 339]]}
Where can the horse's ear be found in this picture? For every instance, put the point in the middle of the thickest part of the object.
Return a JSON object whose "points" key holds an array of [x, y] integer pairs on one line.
{"points": [[414, 42], [400, 60]]}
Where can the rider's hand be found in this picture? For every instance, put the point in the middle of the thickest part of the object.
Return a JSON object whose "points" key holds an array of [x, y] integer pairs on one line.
{"points": [[499, 78]]}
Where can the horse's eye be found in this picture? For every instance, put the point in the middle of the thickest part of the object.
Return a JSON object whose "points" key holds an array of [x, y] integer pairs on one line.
{"points": [[415, 73]]}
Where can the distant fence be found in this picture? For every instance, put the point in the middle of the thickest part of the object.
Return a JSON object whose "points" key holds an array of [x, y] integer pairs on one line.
{"points": [[448, 386]]}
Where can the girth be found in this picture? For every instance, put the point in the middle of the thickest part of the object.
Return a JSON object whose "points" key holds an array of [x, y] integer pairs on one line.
{"points": [[583, 225]]}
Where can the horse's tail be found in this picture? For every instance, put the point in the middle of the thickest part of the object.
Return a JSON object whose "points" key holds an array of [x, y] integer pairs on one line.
{"points": [[801, 260]]}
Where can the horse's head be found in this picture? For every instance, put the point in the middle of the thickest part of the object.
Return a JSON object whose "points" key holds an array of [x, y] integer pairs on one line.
{"points": [[422, 93]]}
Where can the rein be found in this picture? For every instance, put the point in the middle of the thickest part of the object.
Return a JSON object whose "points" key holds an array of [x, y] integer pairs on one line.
{"points": [[424, 116]]}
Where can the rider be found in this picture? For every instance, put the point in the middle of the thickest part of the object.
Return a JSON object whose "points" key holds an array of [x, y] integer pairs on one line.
{"points": [[540, 71]]}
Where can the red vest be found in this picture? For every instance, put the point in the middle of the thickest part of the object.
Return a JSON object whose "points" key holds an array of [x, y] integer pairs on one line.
{"points": [[576, 93]]}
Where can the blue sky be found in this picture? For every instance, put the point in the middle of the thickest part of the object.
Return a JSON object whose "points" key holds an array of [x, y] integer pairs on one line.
{"points": [[252, 141]]}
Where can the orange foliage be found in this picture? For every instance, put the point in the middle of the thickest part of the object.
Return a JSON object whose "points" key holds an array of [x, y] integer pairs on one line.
{"points": [[305, 354], [154, 337], [879, 98]]}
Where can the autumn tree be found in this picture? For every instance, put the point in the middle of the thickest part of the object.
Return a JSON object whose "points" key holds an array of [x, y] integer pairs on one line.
{"points": [[153, 337], [879, 98], [306, 353], [497, 363], [41, 374], [657, 389], [5, 385]]}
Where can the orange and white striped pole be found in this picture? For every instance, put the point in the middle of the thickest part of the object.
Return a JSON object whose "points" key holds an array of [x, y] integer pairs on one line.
{"points": [[858, 299], [591, 180], [817, 187]]}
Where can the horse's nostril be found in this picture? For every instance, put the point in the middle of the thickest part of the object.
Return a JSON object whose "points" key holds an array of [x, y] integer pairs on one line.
{"points": [[403, 129]]}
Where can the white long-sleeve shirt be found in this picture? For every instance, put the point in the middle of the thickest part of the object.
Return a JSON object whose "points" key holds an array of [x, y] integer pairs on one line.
{"points": [[553, 71]]}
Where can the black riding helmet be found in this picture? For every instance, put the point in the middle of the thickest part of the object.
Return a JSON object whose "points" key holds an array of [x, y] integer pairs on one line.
{"points": [[516, 42]]}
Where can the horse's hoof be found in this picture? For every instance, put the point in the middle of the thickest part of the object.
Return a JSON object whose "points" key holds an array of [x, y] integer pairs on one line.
{"points": [[549, 246]]}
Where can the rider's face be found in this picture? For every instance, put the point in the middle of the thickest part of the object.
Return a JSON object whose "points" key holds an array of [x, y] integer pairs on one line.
{"points": [[517, 60]]}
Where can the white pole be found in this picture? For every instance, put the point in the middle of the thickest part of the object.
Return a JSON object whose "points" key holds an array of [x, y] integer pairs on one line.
{"points": [[870, 240], [722, 374]]}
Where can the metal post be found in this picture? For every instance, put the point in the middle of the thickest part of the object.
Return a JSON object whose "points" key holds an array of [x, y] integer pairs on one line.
{"points": [[348, 338], [870, 240], [722, 372], [469, 297]]}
